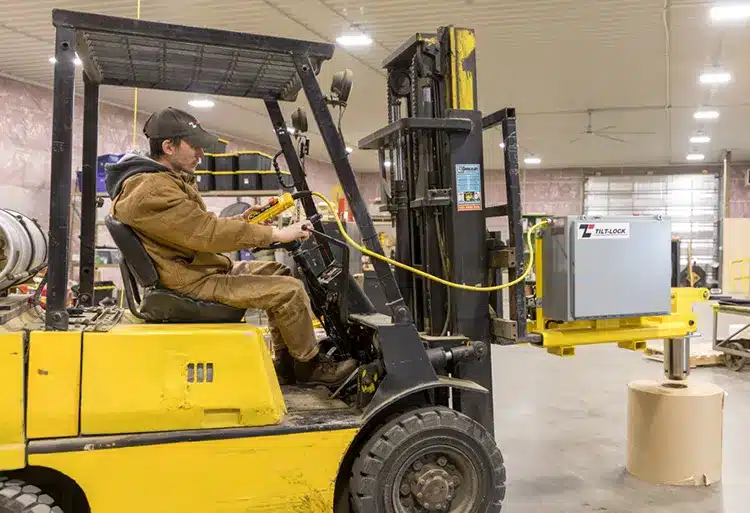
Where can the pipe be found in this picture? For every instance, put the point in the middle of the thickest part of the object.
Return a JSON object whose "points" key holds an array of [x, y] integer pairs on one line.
{"points": [[723, 214], [677, 358], [23, 248]]}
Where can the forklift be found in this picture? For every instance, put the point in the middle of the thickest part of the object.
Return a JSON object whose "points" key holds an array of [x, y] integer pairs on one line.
{"points": [[182, 410], [177, 407]]}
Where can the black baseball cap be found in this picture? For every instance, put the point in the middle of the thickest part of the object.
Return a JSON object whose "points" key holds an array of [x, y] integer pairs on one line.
{"points": [[171, 122]]}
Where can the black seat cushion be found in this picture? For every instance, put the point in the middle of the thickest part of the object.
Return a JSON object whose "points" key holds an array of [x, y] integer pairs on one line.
{"points": [[133, 252], [163, 305], [160, 304]]}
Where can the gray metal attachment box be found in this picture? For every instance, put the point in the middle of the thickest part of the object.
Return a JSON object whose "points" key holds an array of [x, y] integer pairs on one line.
{"points": [[606, 267]]}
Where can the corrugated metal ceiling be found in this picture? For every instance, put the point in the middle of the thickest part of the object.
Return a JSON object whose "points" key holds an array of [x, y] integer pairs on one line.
{"points": [[552, 59]]}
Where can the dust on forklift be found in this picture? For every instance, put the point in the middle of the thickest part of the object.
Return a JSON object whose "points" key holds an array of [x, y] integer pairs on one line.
{"points": [[106, 415]]}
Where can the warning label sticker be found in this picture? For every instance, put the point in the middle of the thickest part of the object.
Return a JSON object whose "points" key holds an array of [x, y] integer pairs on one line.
{"points": [[604, 230], [468, 187]]}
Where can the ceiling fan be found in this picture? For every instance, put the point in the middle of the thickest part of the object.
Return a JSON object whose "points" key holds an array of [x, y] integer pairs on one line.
{"points": [[605, 132]]}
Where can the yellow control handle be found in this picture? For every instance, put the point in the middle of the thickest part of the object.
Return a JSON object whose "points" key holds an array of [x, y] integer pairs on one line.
{"points": [[275, 207]]}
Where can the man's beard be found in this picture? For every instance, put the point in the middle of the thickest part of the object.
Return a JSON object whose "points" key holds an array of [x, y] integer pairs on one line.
{"points": [[182, 169]]}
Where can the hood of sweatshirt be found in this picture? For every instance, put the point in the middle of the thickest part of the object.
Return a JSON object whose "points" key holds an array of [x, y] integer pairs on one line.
{"points": [[129, 165]]}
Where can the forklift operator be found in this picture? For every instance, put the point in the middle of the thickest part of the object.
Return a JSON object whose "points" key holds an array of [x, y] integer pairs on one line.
{"points": [[157, 197]]}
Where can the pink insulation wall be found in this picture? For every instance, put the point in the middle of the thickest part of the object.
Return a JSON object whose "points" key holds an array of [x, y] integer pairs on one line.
{"points": [[26, 117], [739, 193]]}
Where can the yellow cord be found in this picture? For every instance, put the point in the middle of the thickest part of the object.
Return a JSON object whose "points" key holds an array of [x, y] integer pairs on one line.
{"points": [[430, 276]]}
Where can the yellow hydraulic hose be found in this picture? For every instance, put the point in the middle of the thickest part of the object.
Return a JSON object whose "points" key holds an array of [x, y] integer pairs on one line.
{"points": [[430, 276]]}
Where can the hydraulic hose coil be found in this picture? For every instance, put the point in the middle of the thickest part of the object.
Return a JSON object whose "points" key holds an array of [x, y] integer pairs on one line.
{"points": [[23, 248]]}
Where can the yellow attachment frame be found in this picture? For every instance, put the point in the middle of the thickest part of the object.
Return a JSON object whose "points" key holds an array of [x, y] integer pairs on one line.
{"points": [[628, 333]]}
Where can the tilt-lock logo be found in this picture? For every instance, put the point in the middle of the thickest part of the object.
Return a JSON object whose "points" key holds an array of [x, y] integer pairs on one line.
{"points": [[604, 230]]}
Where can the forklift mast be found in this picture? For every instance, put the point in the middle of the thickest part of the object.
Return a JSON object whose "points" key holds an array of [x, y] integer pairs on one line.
{"points": [[432, 171]]}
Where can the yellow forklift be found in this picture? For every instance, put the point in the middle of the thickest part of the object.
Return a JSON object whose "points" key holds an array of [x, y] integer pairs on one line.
{"points": [[179, 409]]}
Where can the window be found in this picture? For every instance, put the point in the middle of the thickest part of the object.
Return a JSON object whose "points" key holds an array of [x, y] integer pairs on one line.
{"points": [[690, 200]]}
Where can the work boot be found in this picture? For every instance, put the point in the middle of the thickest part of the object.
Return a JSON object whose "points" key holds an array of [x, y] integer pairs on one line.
{"points": [[283, 363], [323, 370]]}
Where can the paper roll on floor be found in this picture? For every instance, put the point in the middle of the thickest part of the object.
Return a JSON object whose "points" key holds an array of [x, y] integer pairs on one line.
{"points": [[675, 432]]}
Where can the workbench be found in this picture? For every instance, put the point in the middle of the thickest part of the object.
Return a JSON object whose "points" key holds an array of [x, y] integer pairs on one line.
{"points": [[736, 350]]}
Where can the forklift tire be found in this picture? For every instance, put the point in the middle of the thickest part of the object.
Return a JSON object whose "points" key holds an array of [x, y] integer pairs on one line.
{"points": [[430, 459], [17, 496]]}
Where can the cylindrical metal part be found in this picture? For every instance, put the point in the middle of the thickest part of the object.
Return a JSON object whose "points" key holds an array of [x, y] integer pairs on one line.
{"points": [[440, 357], [677, 358], [23, 248]]}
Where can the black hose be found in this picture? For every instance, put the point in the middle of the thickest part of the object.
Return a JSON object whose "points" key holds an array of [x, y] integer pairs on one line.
{"points": [[276, 168]]}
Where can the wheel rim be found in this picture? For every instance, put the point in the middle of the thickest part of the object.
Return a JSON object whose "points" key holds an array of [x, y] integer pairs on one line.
{"points": [[735, 363], [438, 479]]}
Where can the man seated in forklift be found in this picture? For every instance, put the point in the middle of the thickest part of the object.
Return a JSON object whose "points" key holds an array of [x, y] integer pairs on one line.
{"points": [[157, 197]]}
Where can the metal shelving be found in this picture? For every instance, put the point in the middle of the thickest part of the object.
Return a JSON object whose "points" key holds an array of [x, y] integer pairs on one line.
{"points": [[215, 194]]}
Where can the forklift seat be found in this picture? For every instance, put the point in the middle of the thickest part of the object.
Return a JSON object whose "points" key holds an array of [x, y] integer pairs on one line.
{"points": [[159, 304]]}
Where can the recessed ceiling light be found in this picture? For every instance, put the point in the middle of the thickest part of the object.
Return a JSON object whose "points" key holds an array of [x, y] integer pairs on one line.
{"points": [[387, 163], [700, 139], [532, 160], [706, 114], [52, 60], [695, 156], [715, 77], [203, 103], [737, 12], [354, 40], [349, 149]]}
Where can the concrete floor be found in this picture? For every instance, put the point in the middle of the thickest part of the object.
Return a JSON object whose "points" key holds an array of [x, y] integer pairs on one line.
{"points": [[561, 426]]}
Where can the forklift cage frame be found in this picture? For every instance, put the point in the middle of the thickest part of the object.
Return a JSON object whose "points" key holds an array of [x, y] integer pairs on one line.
{"points": [[145, 54], [120, 51]]}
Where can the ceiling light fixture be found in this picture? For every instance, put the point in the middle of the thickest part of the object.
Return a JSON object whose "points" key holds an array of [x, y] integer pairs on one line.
{"points": [[532, 160], [203, 103], [706, 114], [349, 149], [354, 40], [387, 163], [695, 156], [290, 129], [715, 77], [700, 139], [737, 12], [502, 145]]}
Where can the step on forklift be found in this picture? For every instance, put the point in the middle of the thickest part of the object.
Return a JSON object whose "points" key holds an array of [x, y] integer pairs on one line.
{"points": [[182, 410]]}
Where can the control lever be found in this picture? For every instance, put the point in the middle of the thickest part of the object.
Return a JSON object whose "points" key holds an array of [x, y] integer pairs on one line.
{"points": [[343, 285], [293, 245]]}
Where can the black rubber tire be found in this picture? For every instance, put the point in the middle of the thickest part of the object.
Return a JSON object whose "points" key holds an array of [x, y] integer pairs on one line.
{"points": [[389, 450], [17, 496]]}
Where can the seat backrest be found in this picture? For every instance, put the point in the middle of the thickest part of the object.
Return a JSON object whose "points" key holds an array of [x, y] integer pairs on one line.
{"points": [[136, 258]]}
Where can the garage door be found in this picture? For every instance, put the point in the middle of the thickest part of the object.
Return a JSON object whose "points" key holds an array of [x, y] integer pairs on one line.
{"points": [[690, 200]]}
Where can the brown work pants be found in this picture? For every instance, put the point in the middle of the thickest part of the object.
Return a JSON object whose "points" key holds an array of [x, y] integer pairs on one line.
{"points": [[269, 286]]}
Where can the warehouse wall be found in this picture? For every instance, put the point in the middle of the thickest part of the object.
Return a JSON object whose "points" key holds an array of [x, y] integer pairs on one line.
{"points": [[739, 194], [26, 120]]}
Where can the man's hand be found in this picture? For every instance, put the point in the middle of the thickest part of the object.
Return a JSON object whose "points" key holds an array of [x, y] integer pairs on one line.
{"points": [[292, 232], [245, 216]]}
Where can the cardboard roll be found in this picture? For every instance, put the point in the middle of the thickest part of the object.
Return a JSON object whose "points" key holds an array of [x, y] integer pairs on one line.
{"points": [[23, 249], [674, 432]]}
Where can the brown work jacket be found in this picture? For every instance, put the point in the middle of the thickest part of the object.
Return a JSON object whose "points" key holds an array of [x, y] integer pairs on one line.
{"points": [[181, 236]]}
